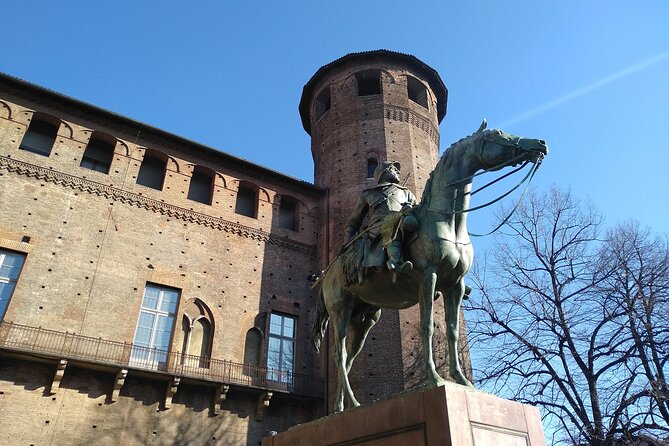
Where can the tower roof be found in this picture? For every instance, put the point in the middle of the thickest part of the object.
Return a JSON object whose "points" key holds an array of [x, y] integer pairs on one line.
{"points": [[436, 84]]}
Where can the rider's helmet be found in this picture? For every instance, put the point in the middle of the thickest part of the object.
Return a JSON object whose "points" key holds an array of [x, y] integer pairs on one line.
{"points": [[383, 167]]}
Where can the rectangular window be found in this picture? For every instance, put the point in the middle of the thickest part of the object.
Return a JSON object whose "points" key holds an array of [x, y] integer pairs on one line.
{"points": [[10, 268], [281, 348], [39, 137], [288, 213], [98, 155], [247, 201], [154, 327]]}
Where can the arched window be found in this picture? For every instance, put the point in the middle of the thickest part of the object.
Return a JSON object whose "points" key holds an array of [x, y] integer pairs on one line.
{"points": [[197, 329], [372, 163], [99, 152], [369, 82], [252, 348], [247, 200], [201, 185], [288, 216], [41, 134], [152, 170], [417, 91], [323, 102]]}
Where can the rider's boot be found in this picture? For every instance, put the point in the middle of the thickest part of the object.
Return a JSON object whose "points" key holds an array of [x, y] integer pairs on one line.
{"points": [[395, 262]]}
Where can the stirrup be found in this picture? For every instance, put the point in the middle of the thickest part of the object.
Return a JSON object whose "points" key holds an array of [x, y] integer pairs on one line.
{"points": [[402, 268]]}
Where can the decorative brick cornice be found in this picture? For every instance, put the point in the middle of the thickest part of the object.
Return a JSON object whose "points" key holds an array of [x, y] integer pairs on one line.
{"points": [[159, 207], [407, 115], [386, 111]]}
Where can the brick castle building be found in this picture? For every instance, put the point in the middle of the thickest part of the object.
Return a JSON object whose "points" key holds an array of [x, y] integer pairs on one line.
{"points": [[152, 289]]}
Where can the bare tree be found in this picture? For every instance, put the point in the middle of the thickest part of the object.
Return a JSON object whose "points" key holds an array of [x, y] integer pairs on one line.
{"points": [[639, 285], [552, 328]]}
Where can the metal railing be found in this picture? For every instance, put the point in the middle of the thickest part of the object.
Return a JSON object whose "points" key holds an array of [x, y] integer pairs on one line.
{"points": [[23, 338]]}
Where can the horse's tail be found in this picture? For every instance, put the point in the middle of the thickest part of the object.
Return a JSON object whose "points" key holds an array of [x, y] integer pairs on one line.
{"points": [[321, 325]]}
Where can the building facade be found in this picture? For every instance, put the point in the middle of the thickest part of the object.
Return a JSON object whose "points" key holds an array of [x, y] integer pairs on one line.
{"points": [[152, 290]]}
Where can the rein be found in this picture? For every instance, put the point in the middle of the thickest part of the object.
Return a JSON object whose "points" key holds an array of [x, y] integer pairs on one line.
{"points": [[533, 170], [529, 175]]}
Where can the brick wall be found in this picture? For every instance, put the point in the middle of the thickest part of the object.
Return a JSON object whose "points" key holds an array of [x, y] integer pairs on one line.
{"points": [[95, 240]]}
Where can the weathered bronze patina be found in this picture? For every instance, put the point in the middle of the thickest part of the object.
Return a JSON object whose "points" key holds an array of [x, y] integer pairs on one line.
{"points": [[383, 236], [440, 251]]}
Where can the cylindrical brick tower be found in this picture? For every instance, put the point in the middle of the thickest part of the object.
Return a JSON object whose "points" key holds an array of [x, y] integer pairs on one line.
{"points": [[362, 109], [365, 108]]}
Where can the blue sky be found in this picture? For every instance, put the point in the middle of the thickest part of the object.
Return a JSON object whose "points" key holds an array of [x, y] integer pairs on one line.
{"points": [[591, 78]]}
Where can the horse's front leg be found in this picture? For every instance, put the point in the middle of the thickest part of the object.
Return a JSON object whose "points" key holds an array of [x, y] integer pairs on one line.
{"points": [[426, 302], [452, 300], [344, 394]]}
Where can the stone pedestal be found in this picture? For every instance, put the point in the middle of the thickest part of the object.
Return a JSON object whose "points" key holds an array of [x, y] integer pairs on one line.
{"points": [[450, 415]]}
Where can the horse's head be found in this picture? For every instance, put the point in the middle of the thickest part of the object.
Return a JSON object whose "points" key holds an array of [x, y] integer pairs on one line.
{"points": [[497, 149]]}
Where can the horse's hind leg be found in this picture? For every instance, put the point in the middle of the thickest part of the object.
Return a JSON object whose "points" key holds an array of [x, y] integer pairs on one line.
{"points": [[361, 323], [426, 302], [452, 300]]}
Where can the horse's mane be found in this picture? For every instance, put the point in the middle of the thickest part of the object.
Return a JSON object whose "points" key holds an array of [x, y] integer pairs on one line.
{"points": [[444, 163], [351, 260]]}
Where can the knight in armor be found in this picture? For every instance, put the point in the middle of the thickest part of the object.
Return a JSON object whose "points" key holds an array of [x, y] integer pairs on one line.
{"points": [[386, 209]]}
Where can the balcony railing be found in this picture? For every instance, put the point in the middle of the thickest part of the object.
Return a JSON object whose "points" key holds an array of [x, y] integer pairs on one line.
{"points": [[66, 345]]}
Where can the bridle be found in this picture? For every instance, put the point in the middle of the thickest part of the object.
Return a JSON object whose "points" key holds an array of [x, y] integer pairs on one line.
{"points": [[515, 144]]}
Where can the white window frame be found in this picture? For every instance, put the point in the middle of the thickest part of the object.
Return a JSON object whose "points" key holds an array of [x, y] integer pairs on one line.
{"points": [[151, 356], [280, 374], [10, 281]]}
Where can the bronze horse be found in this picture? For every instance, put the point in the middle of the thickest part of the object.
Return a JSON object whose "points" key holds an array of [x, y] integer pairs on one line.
{"points": [[440, 250]]}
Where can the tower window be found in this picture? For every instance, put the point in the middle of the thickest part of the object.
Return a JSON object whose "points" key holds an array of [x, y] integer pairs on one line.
{"points": [[369, 82], [371, 167], [288, 213], [247, 200], [99, 153], [40, 136], [417, 91], [152, 171], [323, 102], [201, 186]]}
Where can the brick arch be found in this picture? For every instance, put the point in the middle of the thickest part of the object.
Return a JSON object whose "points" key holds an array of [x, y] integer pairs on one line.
{"points": [[123, 144], [223, 182], [389, 75], [5, 110], [70, 131], [29, 115], [108, 137], [384, 73], [170, 161], [262, 192]]}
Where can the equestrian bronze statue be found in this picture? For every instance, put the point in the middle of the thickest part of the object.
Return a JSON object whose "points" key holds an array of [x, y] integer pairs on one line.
{"points": [[439, 251]]}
